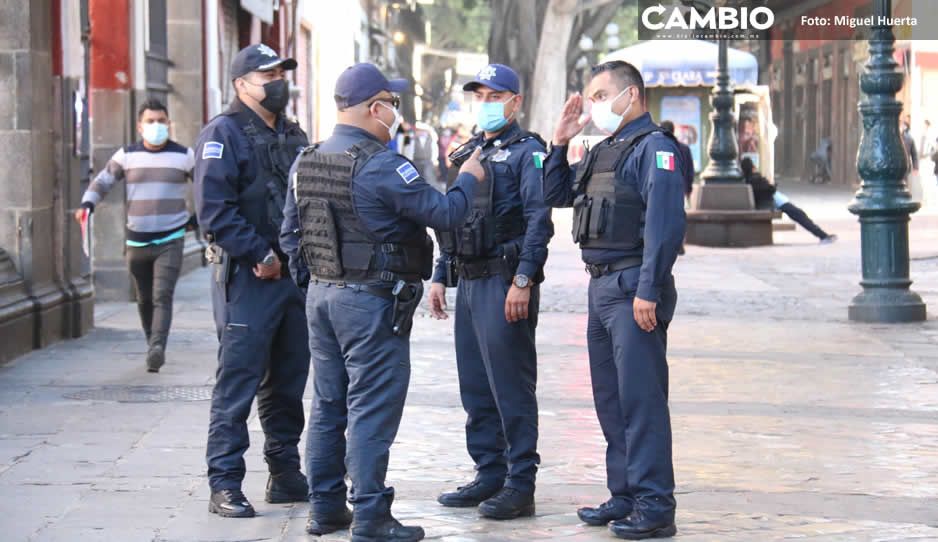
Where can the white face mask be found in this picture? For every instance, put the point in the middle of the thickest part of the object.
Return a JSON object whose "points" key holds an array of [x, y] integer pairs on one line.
{"points": [[604, 118], [395, 124]]}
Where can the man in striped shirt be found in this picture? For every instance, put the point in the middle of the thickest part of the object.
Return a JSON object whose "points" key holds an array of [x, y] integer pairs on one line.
{"points": [[156, 170]]}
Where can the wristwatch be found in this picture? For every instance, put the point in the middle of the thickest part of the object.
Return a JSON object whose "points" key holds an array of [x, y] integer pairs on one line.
{"points": [[521, 281], [269, 259]]}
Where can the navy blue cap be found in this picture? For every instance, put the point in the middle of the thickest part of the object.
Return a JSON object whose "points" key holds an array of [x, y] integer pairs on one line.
{"points": [[362, 81], [496, 77], [258, 58]]}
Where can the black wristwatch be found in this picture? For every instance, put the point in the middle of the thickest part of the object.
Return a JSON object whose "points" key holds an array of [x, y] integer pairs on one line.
{"points": [[521, 281], [269, 259]]}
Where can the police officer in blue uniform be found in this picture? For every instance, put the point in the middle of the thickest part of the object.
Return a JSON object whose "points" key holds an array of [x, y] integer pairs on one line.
{"points": [[243, 158], [355, 231], [627, 199], [496, 260]]}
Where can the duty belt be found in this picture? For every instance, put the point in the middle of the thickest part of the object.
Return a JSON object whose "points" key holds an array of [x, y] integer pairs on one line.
{"points": [[598, 270], [373, 290], [477, 269]]}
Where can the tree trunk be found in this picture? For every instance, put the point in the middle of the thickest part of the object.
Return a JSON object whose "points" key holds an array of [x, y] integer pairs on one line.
{"points": [[550, 68]]}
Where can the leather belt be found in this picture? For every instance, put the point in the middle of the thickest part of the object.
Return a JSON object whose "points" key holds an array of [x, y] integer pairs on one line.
{"points": [[598, 270], [373, 290]]}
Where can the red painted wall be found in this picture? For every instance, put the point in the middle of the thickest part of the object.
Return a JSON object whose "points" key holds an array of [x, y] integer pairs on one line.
{"points": [[110, 44]]}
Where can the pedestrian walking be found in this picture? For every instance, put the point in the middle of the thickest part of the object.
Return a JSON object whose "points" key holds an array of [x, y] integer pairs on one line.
{"points": [[243, 158], [156, 170], [628, 205], [355, 232], [496, 260]]}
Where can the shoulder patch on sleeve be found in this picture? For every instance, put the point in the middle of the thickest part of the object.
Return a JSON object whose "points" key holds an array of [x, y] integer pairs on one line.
{"points": [[212, 149], [408, 172]]}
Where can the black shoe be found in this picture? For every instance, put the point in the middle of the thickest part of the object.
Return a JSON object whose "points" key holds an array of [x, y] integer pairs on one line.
{"points": [[156, 357], [509, 503], [385, 530], [230, 503], [471, 495], [289, 486], [611, 510], [637, 526], [320, 524]]}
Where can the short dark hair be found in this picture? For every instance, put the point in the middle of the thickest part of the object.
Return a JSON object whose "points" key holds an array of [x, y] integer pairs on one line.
{"points": [[623, 72], [151, 104], [747, 166], [667, 126]]}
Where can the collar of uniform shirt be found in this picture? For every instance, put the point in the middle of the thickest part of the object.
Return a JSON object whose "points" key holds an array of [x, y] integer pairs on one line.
{"points": [[511, 130], [354, 131], [633, 126], [238, 105]]}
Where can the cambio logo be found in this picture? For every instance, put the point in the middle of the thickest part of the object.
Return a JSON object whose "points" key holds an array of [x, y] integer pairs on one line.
{"points": [[716, 18]]}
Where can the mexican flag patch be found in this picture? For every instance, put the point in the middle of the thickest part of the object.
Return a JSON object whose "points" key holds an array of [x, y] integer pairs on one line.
{"points": [[665, 160], [539, 159]]}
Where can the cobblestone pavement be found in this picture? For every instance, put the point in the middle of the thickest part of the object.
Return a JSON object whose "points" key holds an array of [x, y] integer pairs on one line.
{"points": [[789, 421]]}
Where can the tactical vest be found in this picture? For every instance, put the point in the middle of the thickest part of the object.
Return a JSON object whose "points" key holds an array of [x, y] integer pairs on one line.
{"points": [[335, 244], [261, 201], [483, 232], [609, 214]]}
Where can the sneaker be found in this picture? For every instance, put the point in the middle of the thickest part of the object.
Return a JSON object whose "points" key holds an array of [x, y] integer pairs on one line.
{"points": [[156, 357], [830, 239]]}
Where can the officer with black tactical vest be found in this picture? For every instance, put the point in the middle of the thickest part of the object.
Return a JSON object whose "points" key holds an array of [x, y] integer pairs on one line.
{"points": [[496, 260], [243, 158], [355, 231], [628, 218]]}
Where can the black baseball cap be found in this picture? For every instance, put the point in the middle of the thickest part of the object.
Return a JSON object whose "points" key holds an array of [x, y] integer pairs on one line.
{"points": [[258, 58], [362, 81]]}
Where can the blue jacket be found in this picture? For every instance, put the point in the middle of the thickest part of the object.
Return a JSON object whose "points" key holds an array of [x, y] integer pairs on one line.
{"points": [[662, 190], [391, 204]]}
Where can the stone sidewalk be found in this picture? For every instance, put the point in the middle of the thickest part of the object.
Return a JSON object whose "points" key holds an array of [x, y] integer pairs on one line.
{"points": [[789, 421]]}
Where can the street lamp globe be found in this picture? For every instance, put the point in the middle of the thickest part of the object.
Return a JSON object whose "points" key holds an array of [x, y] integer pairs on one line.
{"points": [[586, 43]]}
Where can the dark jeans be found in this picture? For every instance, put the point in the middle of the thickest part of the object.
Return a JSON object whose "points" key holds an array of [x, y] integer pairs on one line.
{"points": [[795, 213], [155, 270]]}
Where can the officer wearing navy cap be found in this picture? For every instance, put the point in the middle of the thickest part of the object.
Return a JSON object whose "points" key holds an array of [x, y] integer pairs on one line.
{"points": [[243, 157], [495, 259], [628, 218], [355, 231]]}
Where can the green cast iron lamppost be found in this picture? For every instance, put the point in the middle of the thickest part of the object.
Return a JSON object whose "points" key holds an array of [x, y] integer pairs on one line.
{"points": [[883, 202]]}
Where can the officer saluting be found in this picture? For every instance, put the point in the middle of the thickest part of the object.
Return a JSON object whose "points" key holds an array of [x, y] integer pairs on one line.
{"points": [[243, 157], [355, 230], [627, 196], [498, 255]]}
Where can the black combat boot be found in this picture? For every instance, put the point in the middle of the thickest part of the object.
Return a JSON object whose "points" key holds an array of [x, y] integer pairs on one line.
{"points": [[639, 526], [321, 522], [385, 530], [509, 503], [472, 494], [156, 357], [611, 510], [230, 503], [288, 486]]}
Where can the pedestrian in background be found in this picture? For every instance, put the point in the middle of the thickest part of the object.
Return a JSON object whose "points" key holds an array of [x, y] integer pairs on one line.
{"points": [[156, 170], [686, 161], [769, 198]]}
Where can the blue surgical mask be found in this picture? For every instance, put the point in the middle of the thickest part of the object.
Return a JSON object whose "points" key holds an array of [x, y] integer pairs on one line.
{"points": [[155, 133], [491, 116]]}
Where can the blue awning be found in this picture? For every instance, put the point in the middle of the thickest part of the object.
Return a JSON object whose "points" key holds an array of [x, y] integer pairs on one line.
{"points": [[686, 63]]}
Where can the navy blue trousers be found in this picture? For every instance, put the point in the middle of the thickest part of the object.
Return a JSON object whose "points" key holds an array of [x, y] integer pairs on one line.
{"points": [[629, 373], [497, 365], [361, 371], [262, 352]]}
